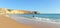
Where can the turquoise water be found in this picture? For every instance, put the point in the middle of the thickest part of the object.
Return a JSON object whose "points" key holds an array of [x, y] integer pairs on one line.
{"points": [[54, 16], [42, 17], [45, 17]]}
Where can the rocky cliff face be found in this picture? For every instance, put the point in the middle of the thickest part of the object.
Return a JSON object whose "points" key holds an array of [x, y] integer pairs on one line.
{"points": [[9, 11], [3, 11], [21, 12]]}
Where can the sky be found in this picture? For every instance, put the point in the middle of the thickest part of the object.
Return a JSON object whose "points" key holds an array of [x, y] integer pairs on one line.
{"points": [[42, 6]]}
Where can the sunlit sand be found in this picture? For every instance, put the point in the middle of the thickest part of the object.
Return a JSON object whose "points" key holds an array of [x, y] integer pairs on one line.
{"points": [[6, 22], [22, 22]]}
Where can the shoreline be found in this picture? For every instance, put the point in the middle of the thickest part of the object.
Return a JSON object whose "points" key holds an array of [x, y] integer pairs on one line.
{"points": [[37, 24], [7, 22]]}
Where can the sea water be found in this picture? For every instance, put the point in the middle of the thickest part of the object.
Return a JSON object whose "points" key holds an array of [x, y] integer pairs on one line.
{"points": [[54, 18]]}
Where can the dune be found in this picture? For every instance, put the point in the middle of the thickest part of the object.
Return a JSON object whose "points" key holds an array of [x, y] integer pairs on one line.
{"points": [[7, 22]]}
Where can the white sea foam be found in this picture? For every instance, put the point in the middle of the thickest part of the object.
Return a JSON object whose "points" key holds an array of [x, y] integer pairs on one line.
{"points": [[47, 20]]}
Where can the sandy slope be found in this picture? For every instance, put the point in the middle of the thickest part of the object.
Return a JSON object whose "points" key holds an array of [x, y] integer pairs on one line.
{"points": [[6, 22]]}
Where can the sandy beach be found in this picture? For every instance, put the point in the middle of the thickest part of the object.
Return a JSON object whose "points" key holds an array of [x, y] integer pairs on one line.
{"points": [[35, 23], [6, 22], [22, 22]]}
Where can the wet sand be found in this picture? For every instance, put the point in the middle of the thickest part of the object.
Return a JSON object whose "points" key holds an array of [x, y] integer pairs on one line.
{"points": [[6, 22], [34, 23], [21, 22]]}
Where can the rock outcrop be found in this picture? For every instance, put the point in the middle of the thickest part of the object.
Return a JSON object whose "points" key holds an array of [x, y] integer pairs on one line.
{"points": [[9, 11]]}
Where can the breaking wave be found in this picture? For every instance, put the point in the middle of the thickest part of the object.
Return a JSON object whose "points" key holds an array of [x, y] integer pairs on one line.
{"points": [[47, 20]]}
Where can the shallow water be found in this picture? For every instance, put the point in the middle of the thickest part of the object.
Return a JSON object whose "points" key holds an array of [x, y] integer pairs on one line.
{"points": [[42, 17]]}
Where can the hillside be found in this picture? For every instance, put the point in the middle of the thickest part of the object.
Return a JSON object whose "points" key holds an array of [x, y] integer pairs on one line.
{"points": [[9, 11]]}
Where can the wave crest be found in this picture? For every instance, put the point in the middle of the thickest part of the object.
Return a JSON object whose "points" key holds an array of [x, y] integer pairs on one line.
{"points": [[47, 20]]}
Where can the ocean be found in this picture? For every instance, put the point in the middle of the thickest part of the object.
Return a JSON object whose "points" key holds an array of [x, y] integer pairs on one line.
{"points": [[42, 17]]}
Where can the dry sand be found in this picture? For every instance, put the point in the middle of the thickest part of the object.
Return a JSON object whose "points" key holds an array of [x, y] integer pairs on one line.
{"points": [[6, 22]]}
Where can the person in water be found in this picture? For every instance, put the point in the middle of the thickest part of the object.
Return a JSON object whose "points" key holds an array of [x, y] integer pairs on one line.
{"points": [[33, 16]]}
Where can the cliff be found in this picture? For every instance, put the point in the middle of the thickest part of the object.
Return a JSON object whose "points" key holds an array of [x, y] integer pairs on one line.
{"points": [[9, 11]]}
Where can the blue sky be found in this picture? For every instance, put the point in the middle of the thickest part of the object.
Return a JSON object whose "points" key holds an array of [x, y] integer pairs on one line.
{"points": [[42, 6]]}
